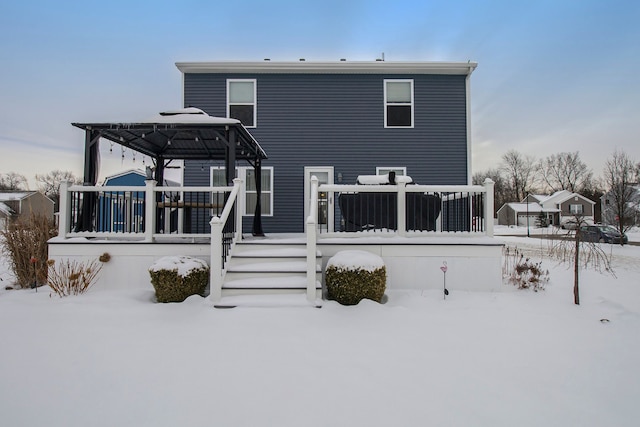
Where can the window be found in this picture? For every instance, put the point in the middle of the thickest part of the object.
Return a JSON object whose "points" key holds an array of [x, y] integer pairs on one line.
{"points": [[576, 209], [241, 101], [247, 174], [398, 103], [400, 171]]}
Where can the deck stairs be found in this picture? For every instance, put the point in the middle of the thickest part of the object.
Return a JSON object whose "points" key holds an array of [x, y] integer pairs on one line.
{"points": [[269, 273]]}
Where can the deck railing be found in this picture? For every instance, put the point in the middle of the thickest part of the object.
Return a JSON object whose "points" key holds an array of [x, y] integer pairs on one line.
{"points": [[139, 213], [311, 230], [407, 210]]}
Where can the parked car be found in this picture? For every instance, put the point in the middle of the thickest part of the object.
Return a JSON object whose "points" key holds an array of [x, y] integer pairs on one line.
{"points": [[572, 224], [602, 234]]}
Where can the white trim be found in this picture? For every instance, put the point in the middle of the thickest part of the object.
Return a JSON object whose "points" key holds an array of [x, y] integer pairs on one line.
{"points": [[242, 174], [308, 170], [330, 67], [254, 103], [386, 104]]}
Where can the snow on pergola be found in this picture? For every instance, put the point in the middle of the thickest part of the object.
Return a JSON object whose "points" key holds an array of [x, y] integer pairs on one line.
{"points": [[184, 134]]}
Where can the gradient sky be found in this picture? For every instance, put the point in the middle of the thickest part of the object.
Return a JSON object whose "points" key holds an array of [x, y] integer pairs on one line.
{"points": [[552, 76]]}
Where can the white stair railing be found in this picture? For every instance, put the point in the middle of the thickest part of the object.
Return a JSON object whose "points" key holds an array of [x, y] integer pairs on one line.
{"points": [[311, 224]]}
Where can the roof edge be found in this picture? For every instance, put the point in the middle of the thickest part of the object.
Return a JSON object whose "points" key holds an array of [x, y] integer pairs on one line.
{"points": [[333, 67]]}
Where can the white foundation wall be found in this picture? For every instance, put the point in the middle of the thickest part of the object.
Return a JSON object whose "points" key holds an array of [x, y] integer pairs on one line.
{"points": [[469, 267], [129, 265]]}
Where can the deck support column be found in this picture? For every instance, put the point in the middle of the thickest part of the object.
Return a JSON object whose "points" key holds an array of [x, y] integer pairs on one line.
{"points": [[215, 263], [402, 209], [257, 215], [488, 206], [149, 210], [64, 210]]}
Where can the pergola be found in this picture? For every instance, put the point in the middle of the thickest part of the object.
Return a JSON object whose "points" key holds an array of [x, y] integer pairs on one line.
{"points": [[185, 134]]}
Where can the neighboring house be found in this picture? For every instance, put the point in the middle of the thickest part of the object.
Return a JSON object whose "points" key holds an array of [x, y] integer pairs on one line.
{"points": [[633, 207], [335, 120], [20, 204], [120, 211], [556, 209]]}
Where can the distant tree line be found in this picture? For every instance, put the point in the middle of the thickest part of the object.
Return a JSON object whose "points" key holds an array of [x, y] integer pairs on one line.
{"points": [[48, 184], [518, 175]]}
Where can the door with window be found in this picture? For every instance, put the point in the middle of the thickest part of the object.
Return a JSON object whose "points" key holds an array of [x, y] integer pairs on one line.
{"points": [[325, 200]]}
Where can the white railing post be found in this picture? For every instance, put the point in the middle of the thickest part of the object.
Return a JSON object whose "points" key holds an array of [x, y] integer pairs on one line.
{"points": [[150, 210], [64, 210], [488, 206], [237, 182], [215, 265], [311, 240], [402, 209]]}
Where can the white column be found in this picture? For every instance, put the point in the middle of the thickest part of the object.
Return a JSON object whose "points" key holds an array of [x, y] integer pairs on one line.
{"points": [[150, 210], [488, 206], [64, 210], [215, 265], [402, 209]]}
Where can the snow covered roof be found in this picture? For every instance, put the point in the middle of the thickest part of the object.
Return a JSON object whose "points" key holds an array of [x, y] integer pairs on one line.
{"points": [[6, 196], [529, 207], [186, 133], [6, 210]]}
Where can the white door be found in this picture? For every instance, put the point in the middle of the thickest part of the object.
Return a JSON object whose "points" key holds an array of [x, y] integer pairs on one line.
{"points": [[325, 200]]}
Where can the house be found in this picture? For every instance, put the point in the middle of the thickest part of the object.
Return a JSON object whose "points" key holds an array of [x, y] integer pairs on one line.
{"points": [[337, 121], [20, 204], [266, 215], [609, 215], [122, 211], [555, 209]]}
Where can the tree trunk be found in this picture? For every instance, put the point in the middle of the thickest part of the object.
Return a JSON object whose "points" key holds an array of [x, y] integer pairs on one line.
{"points": [[576, 269]]}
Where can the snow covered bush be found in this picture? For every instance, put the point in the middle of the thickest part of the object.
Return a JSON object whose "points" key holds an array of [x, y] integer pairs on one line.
{"points": [[25, 243], [352, 276], [72, 277], [175, 278], [522, 272]]}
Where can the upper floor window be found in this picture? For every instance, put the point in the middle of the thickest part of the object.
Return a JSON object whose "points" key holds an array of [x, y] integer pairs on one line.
{"points": [[398, 103], [241, 101]]}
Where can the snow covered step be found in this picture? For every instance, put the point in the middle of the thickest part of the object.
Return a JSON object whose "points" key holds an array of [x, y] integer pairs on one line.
{"points": [[267, 300], [269, 266], [271, 252], [270, 282]]}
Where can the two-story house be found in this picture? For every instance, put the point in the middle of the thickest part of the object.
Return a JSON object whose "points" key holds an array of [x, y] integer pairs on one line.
{"points": [[335, 120]]}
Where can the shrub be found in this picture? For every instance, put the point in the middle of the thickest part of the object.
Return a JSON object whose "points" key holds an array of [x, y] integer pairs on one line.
{"points": [[175, 278], [352, 276], [72, 277], [25, 244], [522, 272]]}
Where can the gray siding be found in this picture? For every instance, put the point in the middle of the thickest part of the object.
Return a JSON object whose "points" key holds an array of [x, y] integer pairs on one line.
{"points": [[338, 120]]}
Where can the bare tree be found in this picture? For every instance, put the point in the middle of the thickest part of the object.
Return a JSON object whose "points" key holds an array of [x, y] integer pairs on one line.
{"points": [[565, 171], [500, 188], [49, 183], [581, 255], [13, 181], [519, 171], [622, 198]]}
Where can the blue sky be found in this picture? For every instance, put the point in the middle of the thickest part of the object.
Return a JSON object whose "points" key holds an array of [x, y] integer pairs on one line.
{"points": [[553, 76]]}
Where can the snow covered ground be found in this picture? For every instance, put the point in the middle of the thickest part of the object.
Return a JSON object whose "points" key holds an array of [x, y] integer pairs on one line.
{"points": [[509, 358]]}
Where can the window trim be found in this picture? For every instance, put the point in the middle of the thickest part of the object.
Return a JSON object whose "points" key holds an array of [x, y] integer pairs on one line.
{"points": [[254, 103], [393, 168], [386, 104], [241, 172]]}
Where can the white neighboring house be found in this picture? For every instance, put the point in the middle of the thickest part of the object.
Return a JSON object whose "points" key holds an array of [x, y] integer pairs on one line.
{"points": [[557, 209], [633, 207]]}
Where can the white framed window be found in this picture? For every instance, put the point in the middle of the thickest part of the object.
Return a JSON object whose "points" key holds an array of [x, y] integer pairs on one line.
{"points": [[576, 209], [247, 174], [400, 171], [242, 101], [398, 103]]}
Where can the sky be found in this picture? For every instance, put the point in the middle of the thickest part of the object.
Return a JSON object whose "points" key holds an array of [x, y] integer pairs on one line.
{"points": [[553, 76]]}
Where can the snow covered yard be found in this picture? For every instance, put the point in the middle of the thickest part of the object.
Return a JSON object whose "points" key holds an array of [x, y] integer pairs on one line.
{"points": [[512, 358]]}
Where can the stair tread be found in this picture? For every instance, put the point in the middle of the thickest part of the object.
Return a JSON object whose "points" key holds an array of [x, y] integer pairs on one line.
{"points": [[287, 282], [266, 267], [275, 253], [287, 300]]}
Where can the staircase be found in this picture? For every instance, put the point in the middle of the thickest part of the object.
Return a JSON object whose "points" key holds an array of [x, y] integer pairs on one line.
{"points": [[269, 273]]}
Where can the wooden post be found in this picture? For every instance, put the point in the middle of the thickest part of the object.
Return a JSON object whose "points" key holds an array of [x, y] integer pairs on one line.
{"points": [[64, 210], [215, 265], [311, 240], [150, 210], [402, 209], [488, 206]]}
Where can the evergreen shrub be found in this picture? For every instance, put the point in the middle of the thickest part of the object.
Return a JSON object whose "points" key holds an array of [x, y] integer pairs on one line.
{"points": [[176, 278], [352, 276]]}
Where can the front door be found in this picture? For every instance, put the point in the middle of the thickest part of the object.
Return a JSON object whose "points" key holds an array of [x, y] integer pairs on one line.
{"points": [[325, 200]]}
